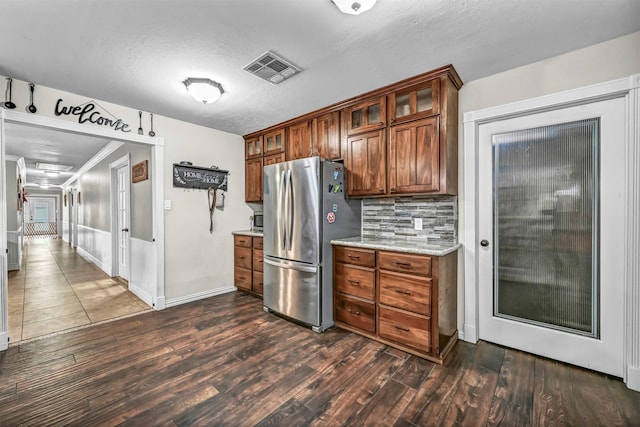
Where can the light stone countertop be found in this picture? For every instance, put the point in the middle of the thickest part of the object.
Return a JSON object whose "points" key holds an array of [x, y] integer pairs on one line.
{"points": [[248, 233], [399, 245]]}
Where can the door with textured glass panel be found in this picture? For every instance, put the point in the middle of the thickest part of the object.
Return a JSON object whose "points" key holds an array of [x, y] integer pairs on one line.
{"points": [[550, 234]]}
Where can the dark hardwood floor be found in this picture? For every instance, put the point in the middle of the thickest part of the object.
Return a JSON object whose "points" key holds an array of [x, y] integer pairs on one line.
{"points": [[223, 361]]}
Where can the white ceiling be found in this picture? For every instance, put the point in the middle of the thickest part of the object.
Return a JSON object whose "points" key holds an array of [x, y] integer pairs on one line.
{"points": [[136, 53], [43, 145]]}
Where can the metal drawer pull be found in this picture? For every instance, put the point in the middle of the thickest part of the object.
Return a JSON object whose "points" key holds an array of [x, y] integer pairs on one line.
{"points": [[241, 257], [354, 282], [353, 256], [402, 328], [403, 291], [357, 313], [403, 264]]}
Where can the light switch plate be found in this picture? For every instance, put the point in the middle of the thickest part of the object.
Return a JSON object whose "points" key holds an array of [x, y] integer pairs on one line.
{"points": [[417, 224], [167, 205]]}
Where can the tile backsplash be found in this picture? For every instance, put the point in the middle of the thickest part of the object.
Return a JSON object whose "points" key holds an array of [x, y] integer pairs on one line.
{"points": [[395, 218]]}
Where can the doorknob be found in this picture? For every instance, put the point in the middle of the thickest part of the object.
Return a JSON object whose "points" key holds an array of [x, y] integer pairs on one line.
{"points": [[125, 229], [484, 243]]}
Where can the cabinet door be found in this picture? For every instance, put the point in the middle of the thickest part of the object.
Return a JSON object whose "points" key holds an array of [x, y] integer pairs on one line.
{"points": [[253, 147], [253, 180], [414, 157], [366, 164], [326, 136], [415, 102], [298, 141], [274, 142], [273, 159], [366, 116]]}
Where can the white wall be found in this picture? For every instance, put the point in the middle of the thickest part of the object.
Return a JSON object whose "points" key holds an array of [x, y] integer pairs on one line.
{"points": [[196, 263], [599, 63]]}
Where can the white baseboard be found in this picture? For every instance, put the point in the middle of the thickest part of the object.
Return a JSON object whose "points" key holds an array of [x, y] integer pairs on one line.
{"points": [[86, 255], [461, 335], [160, 304], [200, 295], [633, 378], [141, 293], [4, 341]]}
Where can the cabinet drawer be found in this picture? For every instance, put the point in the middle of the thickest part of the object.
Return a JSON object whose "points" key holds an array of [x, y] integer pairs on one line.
{"points": [[257, 282], [357, 313], [405, 263], [242, 257], [257, 242], [244, 241], [411, 293], [257, 260], [354, 281], [408, 329], [362, 257], [242, 278]]}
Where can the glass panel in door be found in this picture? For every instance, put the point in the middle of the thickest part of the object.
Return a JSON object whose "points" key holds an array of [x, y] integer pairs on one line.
{"points": [[545, 216]]}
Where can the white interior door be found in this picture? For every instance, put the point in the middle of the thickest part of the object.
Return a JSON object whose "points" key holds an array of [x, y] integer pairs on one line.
{"points": [[550, 223], [122, 197]]}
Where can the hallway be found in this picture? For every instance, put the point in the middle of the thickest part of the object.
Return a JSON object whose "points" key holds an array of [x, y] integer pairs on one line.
{"points": [[57, 290]]}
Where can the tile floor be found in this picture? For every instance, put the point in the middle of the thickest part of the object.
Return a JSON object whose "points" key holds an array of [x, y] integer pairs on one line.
{"points": [[57, 289]]}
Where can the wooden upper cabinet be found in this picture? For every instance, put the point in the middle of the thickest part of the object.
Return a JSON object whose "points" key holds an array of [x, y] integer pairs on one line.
{"points": [[298, 143], [253, 180], [415, 102], [273, 159], [253, 147], [414, 157], [366, 164], [326, 136], [366, 116], [274, 142]]}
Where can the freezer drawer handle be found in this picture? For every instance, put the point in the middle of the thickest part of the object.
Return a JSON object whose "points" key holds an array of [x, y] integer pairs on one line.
{"points": [[306, 269]]}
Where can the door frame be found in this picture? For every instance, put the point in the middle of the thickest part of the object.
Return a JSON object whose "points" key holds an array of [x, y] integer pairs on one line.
{"points": [[627, 88], [156, 172], [114, 166]]}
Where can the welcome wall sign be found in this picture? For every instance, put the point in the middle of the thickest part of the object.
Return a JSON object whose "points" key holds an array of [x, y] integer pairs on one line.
{"points": [[89, 113]]}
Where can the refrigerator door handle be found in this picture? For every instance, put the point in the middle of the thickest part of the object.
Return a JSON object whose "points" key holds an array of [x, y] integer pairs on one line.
{"points": [[283, 220], [298, 267], [291, 210]]}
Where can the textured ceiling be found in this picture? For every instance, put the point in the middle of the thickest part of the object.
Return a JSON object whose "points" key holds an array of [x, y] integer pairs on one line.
{"points": [[136, 53]]}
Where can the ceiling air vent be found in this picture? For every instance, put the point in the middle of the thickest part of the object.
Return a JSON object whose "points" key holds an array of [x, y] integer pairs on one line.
{"points": [[272, 68]]}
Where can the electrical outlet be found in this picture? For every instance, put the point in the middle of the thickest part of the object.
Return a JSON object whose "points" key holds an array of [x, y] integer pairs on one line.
{"points": [[417, 224]]}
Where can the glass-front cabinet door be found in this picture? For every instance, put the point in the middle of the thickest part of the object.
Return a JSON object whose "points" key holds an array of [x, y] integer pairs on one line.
{"points": [[366, 116], [253, 147], [414, 102], [274, 142]]}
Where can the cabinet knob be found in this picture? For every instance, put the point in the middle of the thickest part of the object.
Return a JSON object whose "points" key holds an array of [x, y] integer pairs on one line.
{"points": [[393, 188], [381, 190]]}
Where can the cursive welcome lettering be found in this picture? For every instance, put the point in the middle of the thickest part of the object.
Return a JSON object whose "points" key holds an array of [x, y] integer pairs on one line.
{"points": [[88, 113]]}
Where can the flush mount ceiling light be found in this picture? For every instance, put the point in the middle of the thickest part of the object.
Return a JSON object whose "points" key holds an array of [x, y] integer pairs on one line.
{"points": [[352, 7], [203, 90], [52, 167]]}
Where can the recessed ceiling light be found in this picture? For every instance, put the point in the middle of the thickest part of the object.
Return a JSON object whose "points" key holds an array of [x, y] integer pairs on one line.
{"points": [[52, 173]]}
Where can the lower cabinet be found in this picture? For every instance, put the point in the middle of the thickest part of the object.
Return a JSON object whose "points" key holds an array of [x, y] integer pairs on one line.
{"points": [[404, 300], [247, 256]]}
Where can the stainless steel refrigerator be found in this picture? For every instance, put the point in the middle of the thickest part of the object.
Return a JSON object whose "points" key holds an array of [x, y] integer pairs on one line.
{"points": [[304, 209]]}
